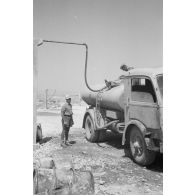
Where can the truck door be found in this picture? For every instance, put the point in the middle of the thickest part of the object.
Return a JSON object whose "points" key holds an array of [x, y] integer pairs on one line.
{"points": [[143, 102]]}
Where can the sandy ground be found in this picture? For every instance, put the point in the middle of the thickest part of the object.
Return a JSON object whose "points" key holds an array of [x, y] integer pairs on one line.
{"points": [[51, 121], [113, 172]]}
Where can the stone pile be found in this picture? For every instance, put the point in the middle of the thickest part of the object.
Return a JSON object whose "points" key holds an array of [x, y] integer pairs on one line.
{"points": [[51, 180]]}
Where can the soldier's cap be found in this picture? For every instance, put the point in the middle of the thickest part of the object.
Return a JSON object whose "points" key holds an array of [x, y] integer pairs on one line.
{"points": [[67, 97]]}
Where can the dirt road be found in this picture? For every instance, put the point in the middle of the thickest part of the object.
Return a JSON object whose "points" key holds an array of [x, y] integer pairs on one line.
{"points": [[113, 172]]}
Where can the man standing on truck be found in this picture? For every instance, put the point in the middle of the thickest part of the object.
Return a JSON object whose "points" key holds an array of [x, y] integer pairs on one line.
{"points": [[67, 121]]}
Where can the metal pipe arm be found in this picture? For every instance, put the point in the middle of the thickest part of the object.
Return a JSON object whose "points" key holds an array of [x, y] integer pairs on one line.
{"points": [[86, 58]]}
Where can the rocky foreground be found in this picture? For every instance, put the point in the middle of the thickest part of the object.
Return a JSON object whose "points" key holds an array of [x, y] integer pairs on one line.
{"points": [[113, 172]]}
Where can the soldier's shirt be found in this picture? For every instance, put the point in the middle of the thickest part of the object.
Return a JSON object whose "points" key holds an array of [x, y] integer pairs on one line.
{"points": [[66, 113]]}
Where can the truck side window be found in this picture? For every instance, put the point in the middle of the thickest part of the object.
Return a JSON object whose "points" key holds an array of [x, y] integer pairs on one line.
{"points": [[142, 90]]}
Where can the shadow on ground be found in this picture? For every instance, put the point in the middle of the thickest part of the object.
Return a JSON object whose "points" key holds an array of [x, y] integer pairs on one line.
{"points": [[114, 140], [72, 142], [45, 139], [157, 166]]}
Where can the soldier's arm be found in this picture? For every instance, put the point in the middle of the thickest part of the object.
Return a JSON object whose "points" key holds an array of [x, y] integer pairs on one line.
{"points": [[72, 119]]}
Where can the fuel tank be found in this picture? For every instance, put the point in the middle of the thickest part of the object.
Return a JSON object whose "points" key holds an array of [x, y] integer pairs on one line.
{"points": [[110, 99]]}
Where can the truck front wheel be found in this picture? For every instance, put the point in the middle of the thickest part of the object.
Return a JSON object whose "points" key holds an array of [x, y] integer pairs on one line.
{"points": [[137, 149], [91, 134]]}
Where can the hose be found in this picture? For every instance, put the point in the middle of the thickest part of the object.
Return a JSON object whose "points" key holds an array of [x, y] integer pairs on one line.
{"points": [[85, 73], [86, 59], [86, 82]]}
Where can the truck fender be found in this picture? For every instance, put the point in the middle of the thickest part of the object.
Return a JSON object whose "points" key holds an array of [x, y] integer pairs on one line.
{"points": [[89, 111], [137, 123]]}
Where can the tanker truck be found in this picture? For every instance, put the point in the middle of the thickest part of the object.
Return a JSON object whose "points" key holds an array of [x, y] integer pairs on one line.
{"points": [[132, 106]]}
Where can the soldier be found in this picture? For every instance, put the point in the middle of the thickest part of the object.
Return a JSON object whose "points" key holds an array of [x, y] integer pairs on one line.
{"points": [[67, 121]]}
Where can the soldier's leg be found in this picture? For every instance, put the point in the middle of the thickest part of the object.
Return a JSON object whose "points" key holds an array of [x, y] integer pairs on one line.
{"points": [[63, 133], [66, 135], [66, 132]]}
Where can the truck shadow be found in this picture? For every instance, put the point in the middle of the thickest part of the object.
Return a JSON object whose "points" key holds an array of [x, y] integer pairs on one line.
{"points": [[157, 166], [114, 140]]}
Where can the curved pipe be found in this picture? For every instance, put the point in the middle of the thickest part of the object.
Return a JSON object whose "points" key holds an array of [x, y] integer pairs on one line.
{"points": [[86, 59], [86, 82], [107, 125]]}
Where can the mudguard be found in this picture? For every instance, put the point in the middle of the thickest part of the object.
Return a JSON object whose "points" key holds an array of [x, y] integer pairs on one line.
{"points": [[137, 123], [89, 111]]}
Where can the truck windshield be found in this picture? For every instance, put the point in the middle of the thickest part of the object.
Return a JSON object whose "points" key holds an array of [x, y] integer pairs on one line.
{"points": [[160, 83]]}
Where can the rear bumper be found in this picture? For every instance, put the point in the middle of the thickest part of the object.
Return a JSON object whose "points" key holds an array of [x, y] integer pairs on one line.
{"points": [[154, 140]]}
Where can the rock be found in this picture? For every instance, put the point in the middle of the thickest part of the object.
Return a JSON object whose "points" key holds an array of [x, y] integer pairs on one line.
{"points": [[47, 163], [76, 183], [99, 174], [64, 191], [147, 190], [44, 179], [88, 168], [65, 165], [143, 180], [63, 177], [101, 182], [83, 184]]}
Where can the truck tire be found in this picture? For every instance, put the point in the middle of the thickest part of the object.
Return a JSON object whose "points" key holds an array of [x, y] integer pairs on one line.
{"points": [[91, 134], [39, 134], [137, 149], [102, 136]]}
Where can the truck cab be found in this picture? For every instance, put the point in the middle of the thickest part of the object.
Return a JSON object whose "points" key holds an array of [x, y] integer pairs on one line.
{"points": [[143, 132], [131, 106]]}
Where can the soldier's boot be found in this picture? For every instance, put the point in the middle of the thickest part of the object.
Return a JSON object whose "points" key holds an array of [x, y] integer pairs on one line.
{"points": [[68, 143], [66, 138], [62, 144]]}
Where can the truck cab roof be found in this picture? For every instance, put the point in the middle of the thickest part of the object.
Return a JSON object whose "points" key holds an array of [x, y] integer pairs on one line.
{"points": [[145, 71]]}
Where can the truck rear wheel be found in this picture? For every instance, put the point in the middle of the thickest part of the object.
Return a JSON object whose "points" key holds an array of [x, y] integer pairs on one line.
{"points": [[102, 136], [91, 134], [137, 150]]}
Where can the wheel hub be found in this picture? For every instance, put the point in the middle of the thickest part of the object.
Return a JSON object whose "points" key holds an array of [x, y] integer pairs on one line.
{"points": [[137, 147]]}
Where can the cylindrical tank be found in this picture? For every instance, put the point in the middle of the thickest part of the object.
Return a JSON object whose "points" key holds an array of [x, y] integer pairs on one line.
{"points": [[112, 99]]}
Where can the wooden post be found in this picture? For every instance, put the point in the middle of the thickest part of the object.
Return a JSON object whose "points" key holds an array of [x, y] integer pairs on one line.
{"points": [[46, 98], [36, 43], [35, 86]]}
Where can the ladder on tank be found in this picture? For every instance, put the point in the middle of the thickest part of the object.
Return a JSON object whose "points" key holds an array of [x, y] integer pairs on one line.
{"points": [[98, 116]]}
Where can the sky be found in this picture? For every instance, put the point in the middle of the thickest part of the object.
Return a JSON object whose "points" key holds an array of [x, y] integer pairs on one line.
{"points": [[116, 31]]}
